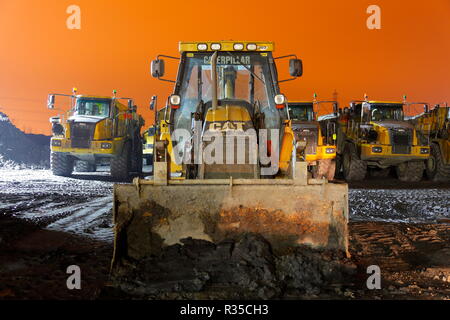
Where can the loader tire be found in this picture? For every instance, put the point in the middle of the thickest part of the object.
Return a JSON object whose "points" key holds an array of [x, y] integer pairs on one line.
{"points": [[354, 168], [411, 171], [325, 169], [84, 166], [435, 168], [121, 164], [61, 164]]}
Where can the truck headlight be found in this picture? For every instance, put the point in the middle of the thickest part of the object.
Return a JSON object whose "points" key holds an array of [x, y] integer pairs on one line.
{"points": [[330, 150], [216, 46], [377, 149], [56, 143], [106, 145], [424, 150]]}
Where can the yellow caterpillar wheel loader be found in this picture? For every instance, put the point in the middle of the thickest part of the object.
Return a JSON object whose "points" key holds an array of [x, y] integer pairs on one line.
{"points": [[436, 125], [96, 130], [318, 137], [226, 162], [375, 135]]}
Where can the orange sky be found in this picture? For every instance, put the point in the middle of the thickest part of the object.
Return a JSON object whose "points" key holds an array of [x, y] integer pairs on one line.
{"points": [[118, 39]]}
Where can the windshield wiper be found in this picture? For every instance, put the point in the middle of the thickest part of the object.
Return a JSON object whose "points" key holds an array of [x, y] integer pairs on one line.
{"points": [[248, 70]]}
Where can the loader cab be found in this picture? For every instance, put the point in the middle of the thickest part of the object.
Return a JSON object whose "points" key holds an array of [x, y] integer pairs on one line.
{"points": [[302, 111], [243, 78], [224, 88], [246, 74]]}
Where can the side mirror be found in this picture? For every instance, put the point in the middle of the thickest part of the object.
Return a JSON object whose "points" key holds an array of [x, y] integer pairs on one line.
{"points": [[51, 101], [335, 109], [157, 68], [153, 103], [295, 67], [130, 104]]}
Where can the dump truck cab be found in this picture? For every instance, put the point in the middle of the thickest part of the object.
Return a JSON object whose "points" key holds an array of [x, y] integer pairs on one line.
{"points": [[319, 138], [435, 125], [226, 162], [96, 129], [375, 135]]}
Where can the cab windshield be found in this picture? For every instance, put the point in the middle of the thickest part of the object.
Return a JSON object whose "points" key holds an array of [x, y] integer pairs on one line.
{"points": [[92, 107], [301, 111], [243, 76], [383, 112]]}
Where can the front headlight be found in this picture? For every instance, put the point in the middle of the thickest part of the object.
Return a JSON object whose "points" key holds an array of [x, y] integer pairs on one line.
{"points": [[330, 150], [56, 143], [106, 145], [424, 150], [377, 149], [280, 99]]}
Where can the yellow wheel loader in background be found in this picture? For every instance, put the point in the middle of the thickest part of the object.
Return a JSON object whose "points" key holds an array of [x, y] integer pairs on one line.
{"points": [[320, 149], [226, 162], [436, 125], [96, 130], [375, 135]]}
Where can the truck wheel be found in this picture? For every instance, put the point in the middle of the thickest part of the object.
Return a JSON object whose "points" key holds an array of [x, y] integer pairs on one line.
{"points": [[354, 168], [435, 168], [61, 164], [120, 164], [137, 160], [411, 171], [84, 166]]}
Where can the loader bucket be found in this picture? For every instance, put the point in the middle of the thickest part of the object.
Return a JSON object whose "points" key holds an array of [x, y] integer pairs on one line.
{"points": [[148, 217]]}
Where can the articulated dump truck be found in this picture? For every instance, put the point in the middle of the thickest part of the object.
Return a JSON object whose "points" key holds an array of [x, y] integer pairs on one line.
{"points": [[226, 162], [317, 136], [374, 135], [435, 124], [96, 130]]}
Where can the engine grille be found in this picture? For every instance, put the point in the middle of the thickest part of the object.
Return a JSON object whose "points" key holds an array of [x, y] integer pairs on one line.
{"points": [[310, 136], [81, 134], [401, 141]]}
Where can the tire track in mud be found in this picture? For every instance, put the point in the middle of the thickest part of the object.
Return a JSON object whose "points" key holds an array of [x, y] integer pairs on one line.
{"points": [[78, 215], [91, 218]]}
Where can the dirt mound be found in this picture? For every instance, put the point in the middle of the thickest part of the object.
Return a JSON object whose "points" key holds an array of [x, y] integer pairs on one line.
{"points": [[19, 149], [243, 269]]}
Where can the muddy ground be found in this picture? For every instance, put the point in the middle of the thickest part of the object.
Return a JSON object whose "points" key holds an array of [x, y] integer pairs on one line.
{"points": [[48, 223]]}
